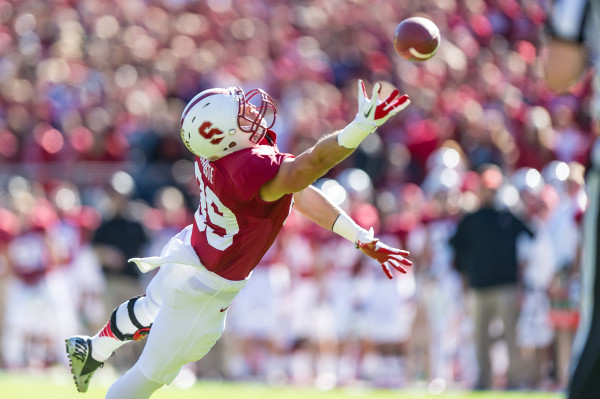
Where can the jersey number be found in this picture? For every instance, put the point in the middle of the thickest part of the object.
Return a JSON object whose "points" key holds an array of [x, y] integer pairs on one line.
{"points": [[212, 212]]}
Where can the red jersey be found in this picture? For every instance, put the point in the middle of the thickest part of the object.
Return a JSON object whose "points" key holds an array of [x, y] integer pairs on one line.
{"points": [[233, 227]]}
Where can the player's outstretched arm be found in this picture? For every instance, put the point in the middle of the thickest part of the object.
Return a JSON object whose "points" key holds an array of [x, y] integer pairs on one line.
{"points": [[312, 204], [295, 174]]}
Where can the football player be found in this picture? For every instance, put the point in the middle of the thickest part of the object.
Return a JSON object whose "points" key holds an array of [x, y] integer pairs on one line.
{"points": [[247, 189]]}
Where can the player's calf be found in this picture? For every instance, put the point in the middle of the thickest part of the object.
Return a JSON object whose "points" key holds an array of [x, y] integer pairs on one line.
{"points": [[127, 323]]}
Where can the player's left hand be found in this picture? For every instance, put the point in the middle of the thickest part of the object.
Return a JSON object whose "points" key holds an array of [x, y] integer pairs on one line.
{"points": [[384, 254]]}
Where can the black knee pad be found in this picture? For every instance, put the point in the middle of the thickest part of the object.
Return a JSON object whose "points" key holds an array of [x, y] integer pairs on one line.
{"points": [[141, 332]]}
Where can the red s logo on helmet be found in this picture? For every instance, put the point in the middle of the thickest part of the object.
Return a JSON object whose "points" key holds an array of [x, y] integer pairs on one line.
{"points": [[207, 134]]}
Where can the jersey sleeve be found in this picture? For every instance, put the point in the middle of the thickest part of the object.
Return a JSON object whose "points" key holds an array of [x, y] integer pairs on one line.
{"points": [[258, 167]]}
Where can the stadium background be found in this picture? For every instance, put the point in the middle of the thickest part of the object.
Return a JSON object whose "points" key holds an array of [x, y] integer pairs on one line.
{"points": [[90, 97]]}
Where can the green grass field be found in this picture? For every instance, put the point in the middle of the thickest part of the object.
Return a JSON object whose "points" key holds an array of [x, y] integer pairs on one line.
{"points": [[58, 385]]}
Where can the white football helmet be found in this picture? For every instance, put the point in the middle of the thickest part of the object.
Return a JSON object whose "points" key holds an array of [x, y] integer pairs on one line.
{"points": [[217, 122]]}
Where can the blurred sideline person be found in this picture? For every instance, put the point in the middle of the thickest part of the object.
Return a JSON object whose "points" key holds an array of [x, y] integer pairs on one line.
{"points": [[565, 288], [571, 49], [535, 333], [441, 292], [37, 287], [247, 189], [485, 253], [385, 334], [253, 320], [119, 238]]}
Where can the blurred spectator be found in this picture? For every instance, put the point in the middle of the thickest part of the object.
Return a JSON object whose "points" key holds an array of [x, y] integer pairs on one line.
{"points": [[565, 232], [339, 280], [119, 238], [257, 347], [69, 243], [168, 215], [535, 140], [485, 250], [36, 286], [439, 292], [385, 330], [9, 228], [570, 142], [535, 333], [84, 270]]}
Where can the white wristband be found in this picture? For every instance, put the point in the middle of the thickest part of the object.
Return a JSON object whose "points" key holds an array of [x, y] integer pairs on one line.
{"points": [[353, 134], [347, 228]]}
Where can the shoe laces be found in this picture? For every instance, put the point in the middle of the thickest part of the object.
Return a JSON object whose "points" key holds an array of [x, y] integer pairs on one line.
{"points": [[81, 350]]}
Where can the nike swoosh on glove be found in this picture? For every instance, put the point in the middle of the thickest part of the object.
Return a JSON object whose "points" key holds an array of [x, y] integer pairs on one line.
{"points": [[384, 254], [372, 113], [384, 110]]}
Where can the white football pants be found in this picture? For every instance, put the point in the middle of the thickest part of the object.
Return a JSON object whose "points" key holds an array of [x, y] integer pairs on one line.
{"points": [[192, 304]]}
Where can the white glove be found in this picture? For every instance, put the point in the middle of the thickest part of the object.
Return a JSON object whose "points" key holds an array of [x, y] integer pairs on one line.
{"points": [[371, 114]]}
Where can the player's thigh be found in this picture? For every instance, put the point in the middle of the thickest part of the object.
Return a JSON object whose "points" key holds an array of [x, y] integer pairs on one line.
{"points": [[185, 329], [165, 282]]}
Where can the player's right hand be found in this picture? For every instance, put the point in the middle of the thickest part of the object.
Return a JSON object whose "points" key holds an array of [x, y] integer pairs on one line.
{"points": [[384, 254], [374, 112]]}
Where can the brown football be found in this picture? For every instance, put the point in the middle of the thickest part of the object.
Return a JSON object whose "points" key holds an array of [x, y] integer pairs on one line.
{"points": [[417, 39]]}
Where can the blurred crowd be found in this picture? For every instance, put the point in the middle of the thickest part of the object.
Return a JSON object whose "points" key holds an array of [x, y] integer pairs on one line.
{"points": [[93, 172]]}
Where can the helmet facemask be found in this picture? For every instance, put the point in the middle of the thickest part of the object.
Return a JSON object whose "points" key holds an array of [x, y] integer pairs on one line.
{"points": [[256, 113]]}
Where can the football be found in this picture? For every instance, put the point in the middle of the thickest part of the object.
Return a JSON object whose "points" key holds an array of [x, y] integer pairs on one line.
{"points": [[417, 39]]}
